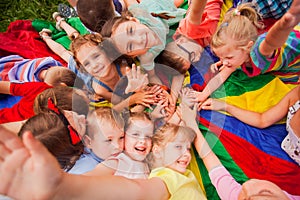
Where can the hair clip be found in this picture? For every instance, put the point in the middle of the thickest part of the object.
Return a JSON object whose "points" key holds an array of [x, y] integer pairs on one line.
{"points": [[236, 12], [74, 136], [224, 24]]}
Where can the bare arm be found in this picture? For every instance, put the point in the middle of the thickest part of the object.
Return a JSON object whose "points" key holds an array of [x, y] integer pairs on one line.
{"points": [[260, 120], [27, 160], [215, 83], [4, 87], [280, 31], [107, 167], [196, 11]]}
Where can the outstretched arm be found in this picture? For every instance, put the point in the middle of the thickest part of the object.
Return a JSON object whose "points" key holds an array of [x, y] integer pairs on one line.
{"points": [[214, 84], [259, 120], [280, 31], [29, 171]]}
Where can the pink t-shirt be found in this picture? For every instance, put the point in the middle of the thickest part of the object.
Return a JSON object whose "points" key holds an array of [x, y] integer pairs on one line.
{"points": [[202, 32]]}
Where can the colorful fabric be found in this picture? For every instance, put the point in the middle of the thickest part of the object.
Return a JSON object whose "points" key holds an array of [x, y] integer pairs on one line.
{"points": [[180, 186], [24, 108], [245, 151], [23, 40], [60, 36], [285, 63], [16, 68]]}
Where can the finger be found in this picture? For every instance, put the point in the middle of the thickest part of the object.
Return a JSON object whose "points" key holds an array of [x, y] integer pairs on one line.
{"points": [[133, 71], [9, 139], [128, 73], [138, 72]]}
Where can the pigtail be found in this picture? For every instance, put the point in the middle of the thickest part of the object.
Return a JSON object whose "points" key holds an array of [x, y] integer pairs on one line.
{"points": [[162, 15]]}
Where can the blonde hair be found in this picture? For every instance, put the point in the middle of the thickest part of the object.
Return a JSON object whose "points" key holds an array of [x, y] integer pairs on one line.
{"points": [[103, 115], [166, 134], [239, 24], [135, 116]]}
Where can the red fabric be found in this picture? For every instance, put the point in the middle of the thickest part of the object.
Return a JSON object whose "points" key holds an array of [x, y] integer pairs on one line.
{"points": [[24, 108], [256, 163], [22, 39]]}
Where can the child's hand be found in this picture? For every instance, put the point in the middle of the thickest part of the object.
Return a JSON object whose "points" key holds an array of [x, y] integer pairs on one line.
{"points": [[198, 96], [159, 111], [216, 67], [144, 98], [187, 96], [213, 104], [136, 80], [188, 115]]}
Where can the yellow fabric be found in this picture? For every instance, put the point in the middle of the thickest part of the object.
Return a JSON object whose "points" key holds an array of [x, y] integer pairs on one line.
{"points": [[180, 186], [225, 7], [262, 99], [195, 169], [100, 104]]}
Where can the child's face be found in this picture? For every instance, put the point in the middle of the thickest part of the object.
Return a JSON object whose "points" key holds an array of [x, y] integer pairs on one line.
{"points": [[138, 139], [94, 61], [177, 154], [232, 56], [108, 139], [133, 38], [261, 189], [190, 51]]}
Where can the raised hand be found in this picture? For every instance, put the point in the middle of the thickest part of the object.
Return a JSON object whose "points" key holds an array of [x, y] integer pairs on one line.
{"points": [[136, 79], [27, 169]]}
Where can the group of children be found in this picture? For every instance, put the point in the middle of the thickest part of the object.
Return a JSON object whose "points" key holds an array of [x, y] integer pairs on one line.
{"points": [[140, 146]]}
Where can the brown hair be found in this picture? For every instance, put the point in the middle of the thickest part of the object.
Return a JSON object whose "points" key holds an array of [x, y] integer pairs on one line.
{"points": [[239, 24], [65, 98], [94, 13], [66, 76], [103, 114], [105, 46], [49, 129], [135, 116]]}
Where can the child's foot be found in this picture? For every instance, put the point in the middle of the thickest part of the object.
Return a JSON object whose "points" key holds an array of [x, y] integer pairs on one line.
{"points": [[58, 18], [45, 33]]}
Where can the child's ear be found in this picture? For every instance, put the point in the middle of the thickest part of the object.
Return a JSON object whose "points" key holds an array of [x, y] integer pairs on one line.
{"points": [[156, 150], [87, 141], [250, 44]]}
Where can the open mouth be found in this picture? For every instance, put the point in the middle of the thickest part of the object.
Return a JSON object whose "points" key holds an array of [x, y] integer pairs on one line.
{"points": [[140, 149]]}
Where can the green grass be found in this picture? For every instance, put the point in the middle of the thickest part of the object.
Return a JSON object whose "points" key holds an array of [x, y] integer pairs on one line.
{"points": [[12, 10]]}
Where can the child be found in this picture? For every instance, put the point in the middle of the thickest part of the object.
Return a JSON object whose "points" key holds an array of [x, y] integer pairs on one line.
{"points": [[289, 106], [53, 130], [107, 72], [236, 44], [104, 138], [29, 90], [130, 163], [51, 182], [225, 184], [143, 35], [16, 68]]}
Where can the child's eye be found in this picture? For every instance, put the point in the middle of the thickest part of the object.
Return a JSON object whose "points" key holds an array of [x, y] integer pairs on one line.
{"points": [[130, 30], [130, 47], [178, 147], [86, 64], [122, 137], [108, 140]]}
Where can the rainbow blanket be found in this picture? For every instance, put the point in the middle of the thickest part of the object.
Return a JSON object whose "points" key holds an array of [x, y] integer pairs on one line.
{"points": [[247, 152]]}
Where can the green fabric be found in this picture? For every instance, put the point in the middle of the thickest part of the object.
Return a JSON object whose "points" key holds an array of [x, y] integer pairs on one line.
{"points": [[226, 160], [60, 36], [239, 83]]}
